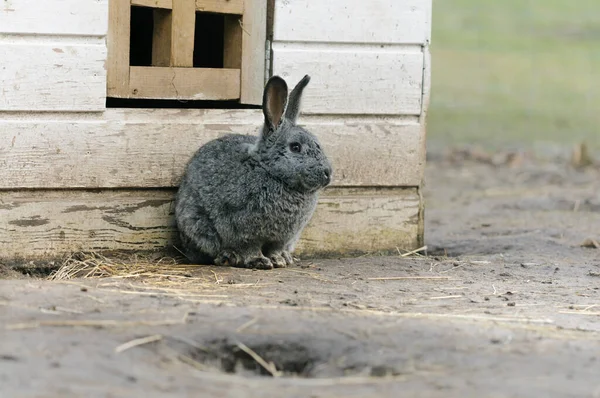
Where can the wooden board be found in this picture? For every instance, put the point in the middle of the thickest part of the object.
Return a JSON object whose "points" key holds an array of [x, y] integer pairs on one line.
{"points": [[362, 220], [64, 17], [53, 76], [222, 6], [254, 36], [232, 42], [149, 148], [161, 37], [354, 79], [117, 63], [216, 6], [428, 21], [162, 4], [182, 35], [184, 83], [41, 224], [352, 21]]}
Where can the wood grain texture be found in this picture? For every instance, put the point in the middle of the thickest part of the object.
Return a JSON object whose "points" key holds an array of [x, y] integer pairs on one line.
{"points": [[428, 21], [352, 21], [184, 83], [62, 17], [117, 63], [354, 79], [426, 88], [52, 223], [53, 77], [216, 6], [222, 6], [182, 33], [163, 4], [149, 148], [426, 95], [350, 221], [161, 37], [254, 39], [232, 43]]}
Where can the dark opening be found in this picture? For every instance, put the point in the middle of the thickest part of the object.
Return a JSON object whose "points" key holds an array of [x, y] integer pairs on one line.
{"points": [[178, 104], [208, 40], [142, 25]]}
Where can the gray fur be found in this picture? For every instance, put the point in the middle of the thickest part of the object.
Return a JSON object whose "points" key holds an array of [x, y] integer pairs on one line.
{"points": [[244, 200]]}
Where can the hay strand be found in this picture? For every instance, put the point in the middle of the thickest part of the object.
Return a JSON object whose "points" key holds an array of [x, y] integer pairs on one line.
{"points": [[420, 249], [445, 297], [401, 278], [268, 366], [138, 342], [101, 323]]}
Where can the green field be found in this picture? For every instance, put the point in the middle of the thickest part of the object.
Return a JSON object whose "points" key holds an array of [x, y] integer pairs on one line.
{"points": [[515, 73]]}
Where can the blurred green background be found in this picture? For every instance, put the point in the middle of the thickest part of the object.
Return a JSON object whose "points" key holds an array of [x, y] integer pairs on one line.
{"points": [[515, 73]]}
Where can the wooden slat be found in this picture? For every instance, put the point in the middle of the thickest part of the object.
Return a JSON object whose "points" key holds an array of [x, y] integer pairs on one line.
{"points": [[428, 21], [38, 224], [64, 17], [253, 51], [426, 87], [52, 77], [184, 83], [352, 21], [235, 7], [117, 65], [164, 4], [351, 221], [222, 6], [150, 148], [161, 37], [354, 79], [182, 34], [232, 52]]}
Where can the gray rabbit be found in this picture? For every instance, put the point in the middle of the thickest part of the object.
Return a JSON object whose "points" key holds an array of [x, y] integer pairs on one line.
{"points": [[244, 200]]}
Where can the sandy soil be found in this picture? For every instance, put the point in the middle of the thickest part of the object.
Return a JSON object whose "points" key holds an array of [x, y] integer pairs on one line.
{"points": [[505, 304]]}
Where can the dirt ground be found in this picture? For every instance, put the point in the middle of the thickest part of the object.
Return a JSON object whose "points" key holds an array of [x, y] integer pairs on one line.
{"points": [[506, 303]]}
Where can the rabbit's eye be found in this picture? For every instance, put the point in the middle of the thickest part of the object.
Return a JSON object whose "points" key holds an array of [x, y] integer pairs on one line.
{"points": [[295, 147]]}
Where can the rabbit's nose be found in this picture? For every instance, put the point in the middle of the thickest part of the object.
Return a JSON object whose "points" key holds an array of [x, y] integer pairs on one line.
{"points": [[327, 176]]}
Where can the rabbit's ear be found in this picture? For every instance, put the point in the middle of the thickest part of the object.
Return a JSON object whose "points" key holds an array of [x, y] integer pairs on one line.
{"points": [[274, 101], [293, 108]]}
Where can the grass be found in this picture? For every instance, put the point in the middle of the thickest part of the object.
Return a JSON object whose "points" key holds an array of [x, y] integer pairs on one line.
{"points": [[522, 73]]}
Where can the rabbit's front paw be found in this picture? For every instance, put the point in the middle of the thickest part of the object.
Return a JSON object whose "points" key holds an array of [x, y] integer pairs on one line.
{"points": [[278, 260], [289, 260], [229, 259], [259, 263]]}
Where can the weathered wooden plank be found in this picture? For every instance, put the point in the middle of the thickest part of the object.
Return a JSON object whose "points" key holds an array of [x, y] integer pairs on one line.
{"points": [[354, 79], [362, 220], [232, 51], [117, 65], [352, 21], [52, 77], [222, 6], [217, 6], [182, 33], [64, 17], [428, 21], [426, 88], [51, 223], [254, 38], [161, 37], [184, 83], [149, 148], [163, 4]]}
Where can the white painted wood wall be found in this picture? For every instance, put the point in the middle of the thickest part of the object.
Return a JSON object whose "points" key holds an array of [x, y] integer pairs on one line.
{"points": [[367, 101]]}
